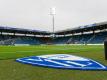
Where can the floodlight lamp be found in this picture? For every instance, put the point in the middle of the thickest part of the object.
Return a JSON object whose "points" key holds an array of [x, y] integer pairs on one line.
{"points": [[52, 11]]}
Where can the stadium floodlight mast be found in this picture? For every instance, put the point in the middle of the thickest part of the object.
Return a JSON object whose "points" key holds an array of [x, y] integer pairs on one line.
{"points": [[52, 13]]}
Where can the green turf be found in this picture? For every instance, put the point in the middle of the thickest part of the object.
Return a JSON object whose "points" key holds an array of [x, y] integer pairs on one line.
{"points": [[11, 70]]}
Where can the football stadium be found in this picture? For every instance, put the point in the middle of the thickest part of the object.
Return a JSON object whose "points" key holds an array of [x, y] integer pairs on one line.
{"points": [[86, 41], [35, 45]]}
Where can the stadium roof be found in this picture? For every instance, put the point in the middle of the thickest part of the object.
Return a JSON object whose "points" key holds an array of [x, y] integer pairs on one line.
{"points": [[80, 29], [23, 31], [86, 28]]}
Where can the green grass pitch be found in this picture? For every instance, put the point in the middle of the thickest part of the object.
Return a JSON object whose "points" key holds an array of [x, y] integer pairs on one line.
{"points": [[12, 70]]}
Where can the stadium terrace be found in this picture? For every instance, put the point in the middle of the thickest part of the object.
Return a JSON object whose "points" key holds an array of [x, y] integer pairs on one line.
{"points": [[89, 34]]}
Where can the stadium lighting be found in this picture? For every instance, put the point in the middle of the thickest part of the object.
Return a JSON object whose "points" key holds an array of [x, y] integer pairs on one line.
{"points": [[52, 13]]}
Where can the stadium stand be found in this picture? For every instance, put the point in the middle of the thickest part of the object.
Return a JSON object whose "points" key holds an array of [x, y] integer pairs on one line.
{"points": [[97, 33], [97, 38]]}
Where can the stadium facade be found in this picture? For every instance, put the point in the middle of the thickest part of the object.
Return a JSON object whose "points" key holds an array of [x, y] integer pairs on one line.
{"points": [[89, 34]]}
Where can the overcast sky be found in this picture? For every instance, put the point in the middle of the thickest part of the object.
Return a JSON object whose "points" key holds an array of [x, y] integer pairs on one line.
{"points": [[34, 14]]}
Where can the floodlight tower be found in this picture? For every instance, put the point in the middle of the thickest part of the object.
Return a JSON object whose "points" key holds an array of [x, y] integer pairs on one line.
{"points": [[52, 13]]}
